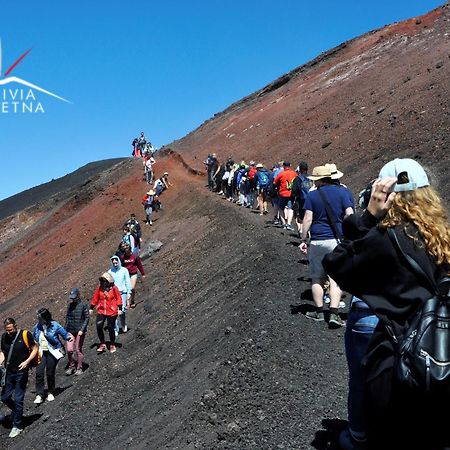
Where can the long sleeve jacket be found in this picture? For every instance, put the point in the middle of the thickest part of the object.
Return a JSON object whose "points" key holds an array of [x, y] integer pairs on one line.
{"points": [[77, 317], [107, 302]]}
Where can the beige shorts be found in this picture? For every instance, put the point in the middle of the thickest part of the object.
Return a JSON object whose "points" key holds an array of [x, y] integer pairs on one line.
{"points": [[317, 251]]}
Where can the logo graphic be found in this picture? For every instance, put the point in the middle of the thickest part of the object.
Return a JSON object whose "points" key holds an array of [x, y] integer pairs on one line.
{"points": [[23, 99]]}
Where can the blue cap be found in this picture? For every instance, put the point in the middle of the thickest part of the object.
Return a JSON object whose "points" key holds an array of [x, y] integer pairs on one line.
{"points": [[74, 293], [409, 173]]}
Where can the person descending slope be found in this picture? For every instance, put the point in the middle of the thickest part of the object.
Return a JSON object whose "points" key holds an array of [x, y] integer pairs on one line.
{"points": [[18, 350], [123, 282], [77, 320], [108, 303]]}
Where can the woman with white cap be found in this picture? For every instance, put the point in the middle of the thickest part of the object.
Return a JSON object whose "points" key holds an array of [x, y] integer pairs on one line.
{"points": [[405, 218], [108, 303]]}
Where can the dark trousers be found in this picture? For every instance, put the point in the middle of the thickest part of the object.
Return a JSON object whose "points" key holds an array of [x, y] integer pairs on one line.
{"points": [[16, 383], [48, 364], [110, 322]]}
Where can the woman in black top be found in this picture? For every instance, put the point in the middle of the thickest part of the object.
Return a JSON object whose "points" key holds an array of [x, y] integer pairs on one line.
{"points": [[368, 265]]}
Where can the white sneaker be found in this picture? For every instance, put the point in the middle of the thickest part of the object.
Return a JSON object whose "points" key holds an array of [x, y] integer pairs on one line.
{"points": [[38, 400], [116, 333], [341, 304], [15, 432], [125, 329], [50, 397]]}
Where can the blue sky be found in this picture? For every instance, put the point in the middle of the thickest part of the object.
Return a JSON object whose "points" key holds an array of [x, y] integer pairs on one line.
{"points": [[159, 66]]}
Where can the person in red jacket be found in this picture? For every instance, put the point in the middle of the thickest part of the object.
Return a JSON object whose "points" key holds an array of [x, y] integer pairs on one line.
{"points": [[133, 264], [108, 303], [284, 181]]}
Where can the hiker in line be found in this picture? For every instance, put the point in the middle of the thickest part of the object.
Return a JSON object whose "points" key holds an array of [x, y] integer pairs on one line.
{"points": [[360, 326], [274, 192], [149, 203], [135, 229], [405, 214], [77, 320], [300, 189], [135, 147], [129, 239], [251, 183], [148, 169], [16, 356], [47, 333], [141, 143], [108, 303], [161, 184], [284, 181], [133, 264], [325, 209], [262, 178], [122, 281]]}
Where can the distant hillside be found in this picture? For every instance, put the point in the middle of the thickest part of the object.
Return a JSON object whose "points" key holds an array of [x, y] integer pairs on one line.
{"points": [[40, 193]]}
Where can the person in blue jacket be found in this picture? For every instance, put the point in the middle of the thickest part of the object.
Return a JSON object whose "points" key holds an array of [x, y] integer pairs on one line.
{"points": [[47, 333]]}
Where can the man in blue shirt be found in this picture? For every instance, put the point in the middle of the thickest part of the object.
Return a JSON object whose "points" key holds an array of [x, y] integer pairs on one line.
{"points": [[326, 231]]}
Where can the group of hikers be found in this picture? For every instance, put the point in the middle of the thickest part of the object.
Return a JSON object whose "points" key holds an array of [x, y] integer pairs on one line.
{"points": [[393, 257], [142, 146], [43, 347]]}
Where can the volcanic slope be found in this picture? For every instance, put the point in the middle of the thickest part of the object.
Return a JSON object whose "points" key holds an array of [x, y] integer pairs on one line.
{"points": [[379, 96], [217, 355]]}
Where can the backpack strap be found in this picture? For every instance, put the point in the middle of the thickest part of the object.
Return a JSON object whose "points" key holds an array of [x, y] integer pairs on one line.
{"points": [[413, 265], [11, 350], [330, 216], [25, 339]]}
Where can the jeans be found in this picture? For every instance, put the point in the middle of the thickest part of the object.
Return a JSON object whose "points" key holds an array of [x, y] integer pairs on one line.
{"points": [[48, 364], [361, 324], [16, 383], [121, 322], [76, 346]]}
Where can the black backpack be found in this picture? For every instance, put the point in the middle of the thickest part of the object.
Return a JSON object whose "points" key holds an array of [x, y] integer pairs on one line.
{"points": [[422, 353]]}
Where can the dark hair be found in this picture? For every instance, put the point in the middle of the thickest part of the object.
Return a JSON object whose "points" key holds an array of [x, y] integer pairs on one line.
{"points": [[45, 315], [9, 321]]}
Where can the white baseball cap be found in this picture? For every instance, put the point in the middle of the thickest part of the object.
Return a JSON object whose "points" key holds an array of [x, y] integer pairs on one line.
{"points": [[409, 173]]}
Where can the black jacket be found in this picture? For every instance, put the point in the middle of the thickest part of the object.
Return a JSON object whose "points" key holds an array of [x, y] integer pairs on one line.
{"points": [[368, 265], [77, 317]]}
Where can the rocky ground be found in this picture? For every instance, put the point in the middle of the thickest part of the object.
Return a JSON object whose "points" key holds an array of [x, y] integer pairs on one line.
{"points": [[219, 353]]}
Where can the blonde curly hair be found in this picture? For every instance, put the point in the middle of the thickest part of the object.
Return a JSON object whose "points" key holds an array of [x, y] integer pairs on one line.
{"points": [[423, 208]]}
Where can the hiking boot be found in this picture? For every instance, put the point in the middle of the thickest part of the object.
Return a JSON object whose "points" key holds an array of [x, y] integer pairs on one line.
{"points": [[38, 400], [50, 397], [101, 348], [335, 321], [15, 432], [316, 316], [79, 372], [112, 348]]}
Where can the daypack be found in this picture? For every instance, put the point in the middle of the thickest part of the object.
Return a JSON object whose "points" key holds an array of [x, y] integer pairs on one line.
{"points": [[307, 184], [422, 353], [252, 172], [37, 359], [263, 178]]}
